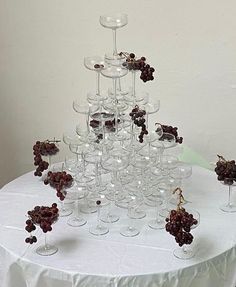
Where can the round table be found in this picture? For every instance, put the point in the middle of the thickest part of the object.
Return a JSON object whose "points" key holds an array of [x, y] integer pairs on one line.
{"points": [[146, 260]]}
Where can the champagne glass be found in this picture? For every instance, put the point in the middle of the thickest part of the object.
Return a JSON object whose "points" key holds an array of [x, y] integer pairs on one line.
{"points": [[76, 192], [98, 228], [161, 194], [185, 252], [230, 205], [85, 109], [47, 249], [114, 22], [181, 172], [96, 64], [130, 230]]}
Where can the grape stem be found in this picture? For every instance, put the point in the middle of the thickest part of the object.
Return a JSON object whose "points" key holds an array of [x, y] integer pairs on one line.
{"points": [[181, 199]]}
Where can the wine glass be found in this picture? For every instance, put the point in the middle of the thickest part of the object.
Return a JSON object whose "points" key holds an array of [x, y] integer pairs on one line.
{"points": [[96, 64], [185, 252], [160, 195], [130, 230], [86, 109], [180, 172], [134, 97], [76, 192], [47, 249], [230, 205], [113, 22], [115, 161], [98, 228]]}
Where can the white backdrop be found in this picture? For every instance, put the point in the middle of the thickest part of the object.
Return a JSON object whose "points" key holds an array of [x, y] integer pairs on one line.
{"points": [[191, 44]]}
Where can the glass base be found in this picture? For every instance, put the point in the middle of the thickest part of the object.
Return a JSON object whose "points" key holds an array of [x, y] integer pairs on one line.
{"points": [[109, 218], [129, 231], [46, 250], [137, 214], [63, 211], [76, 221], [88, 209], [97, 188], [228, 207], [98, 230], [183, 253], [114, 60], [157, 224]]}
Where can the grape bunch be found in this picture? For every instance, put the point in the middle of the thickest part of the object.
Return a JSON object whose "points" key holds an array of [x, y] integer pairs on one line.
{"points": [[132, 63], [44, 217], [109, 125], [137, 116], [179, 224], [59, 180], [43, 149], [226, 170], [170, 130]]}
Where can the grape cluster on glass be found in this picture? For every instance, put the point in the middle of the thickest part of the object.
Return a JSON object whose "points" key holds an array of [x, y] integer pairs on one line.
{"points": [[132, 63], [170, 130], [179, 224], [137, 116], [226, 170], [40, 149], [59, 180], [44, 217], [109, 125]]}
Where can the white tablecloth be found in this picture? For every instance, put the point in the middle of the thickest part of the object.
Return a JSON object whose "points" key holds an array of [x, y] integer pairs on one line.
{"points": [[111, 260]]}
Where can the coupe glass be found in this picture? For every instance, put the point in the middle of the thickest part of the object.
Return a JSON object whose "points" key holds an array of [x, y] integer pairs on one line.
{"points": [[186, 252], [182, 171], [115, 161], [130, 230], [47, 249], [96, 64], [98, 228], [113, 22], [76, 193], [85, 109], [160, 195], [230, 205]]}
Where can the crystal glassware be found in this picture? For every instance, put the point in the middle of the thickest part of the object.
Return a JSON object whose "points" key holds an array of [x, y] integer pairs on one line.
{"points": [[47, 249], [76, 192], [230, 206], [130, 230], [114, 22], [99, 228], [161, 193], [187, 252], [96, 64]]}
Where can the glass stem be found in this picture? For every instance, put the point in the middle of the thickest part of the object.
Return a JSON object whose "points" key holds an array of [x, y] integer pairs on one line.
{"points": [[114, 42], [77, 209], [133, 86], [97, 83], [83, 162], [96, 174], [98, 217], [184, 248], [116, 101], [87, 121], [45, 241], [229, 200], [119, 85]]}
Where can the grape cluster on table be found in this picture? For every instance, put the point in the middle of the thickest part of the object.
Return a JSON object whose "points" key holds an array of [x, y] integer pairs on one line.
{"points": [[226, 170], [44, 217], [45, 148], [179, 224], [59, 180], [132, 63], [137, 116], [170, 130]]}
